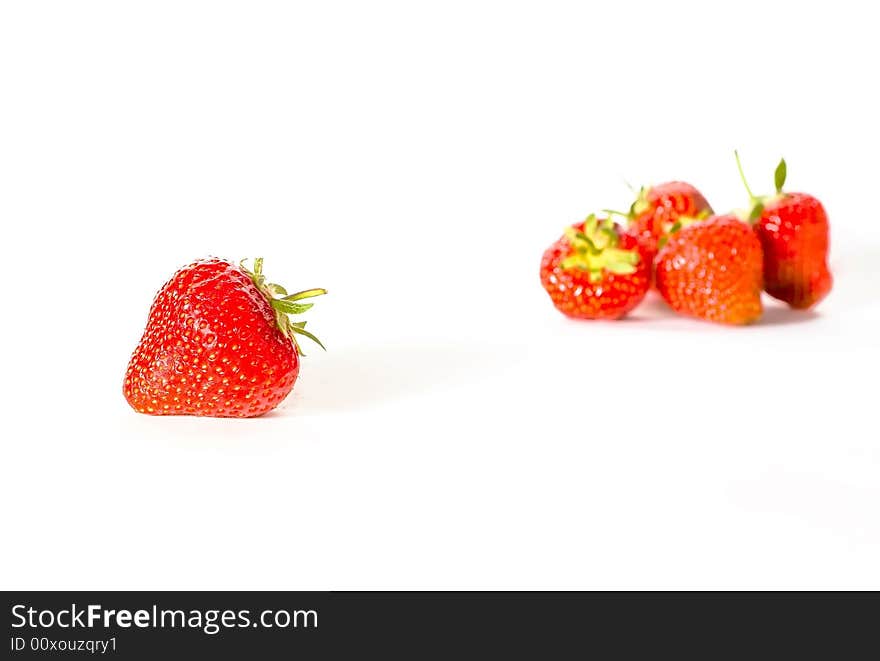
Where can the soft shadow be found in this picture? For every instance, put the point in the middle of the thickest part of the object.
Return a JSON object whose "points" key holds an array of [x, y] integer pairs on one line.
{"points": [[360, 378], [274, 413], [650, 309], [654, 309], [782, 315]]}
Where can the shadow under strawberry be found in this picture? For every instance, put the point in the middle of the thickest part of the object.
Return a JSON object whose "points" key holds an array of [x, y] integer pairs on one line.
{"points": [[362, 378]]}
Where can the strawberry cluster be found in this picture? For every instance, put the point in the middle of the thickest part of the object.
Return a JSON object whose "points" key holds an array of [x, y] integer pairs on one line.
{"points": [[708, 266]]}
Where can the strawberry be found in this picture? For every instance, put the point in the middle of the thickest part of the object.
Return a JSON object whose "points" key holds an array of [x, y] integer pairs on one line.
{"points": [[217, 343], [595, 271], [793, 229], [712, 270], [658, 208]]}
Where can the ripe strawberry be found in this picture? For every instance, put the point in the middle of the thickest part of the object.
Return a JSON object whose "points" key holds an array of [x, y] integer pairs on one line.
{"points": [[793, 229], [595, 271], [712, 270], [217, 343], [658, 208]]}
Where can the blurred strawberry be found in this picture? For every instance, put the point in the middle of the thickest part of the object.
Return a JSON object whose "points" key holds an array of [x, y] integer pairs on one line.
{"points": [[711, 270], [793, 229], [595, 271], [658, 208]]}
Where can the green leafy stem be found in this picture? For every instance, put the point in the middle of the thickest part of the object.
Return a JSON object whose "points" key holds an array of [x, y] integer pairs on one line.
{"points": [[285, 304]]}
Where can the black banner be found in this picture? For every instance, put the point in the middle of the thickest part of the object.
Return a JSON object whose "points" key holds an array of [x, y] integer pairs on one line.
{"points": [[151, 625]]}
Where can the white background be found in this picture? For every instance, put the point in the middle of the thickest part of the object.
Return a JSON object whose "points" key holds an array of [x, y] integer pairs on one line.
{"points": [[416, 159]]}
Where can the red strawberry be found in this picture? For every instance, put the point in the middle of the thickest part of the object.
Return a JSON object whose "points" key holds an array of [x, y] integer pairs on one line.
{"points": [[217, 343], [658, 208], [793, 229], [712, 270], [595, 271]]}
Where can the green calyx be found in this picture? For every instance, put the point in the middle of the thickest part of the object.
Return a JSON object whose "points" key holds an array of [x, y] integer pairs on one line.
{"points": [[285, 304], [595, 250], [779, 176], [757, 203], [640, 205], [680, 223], [671, 227]]}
